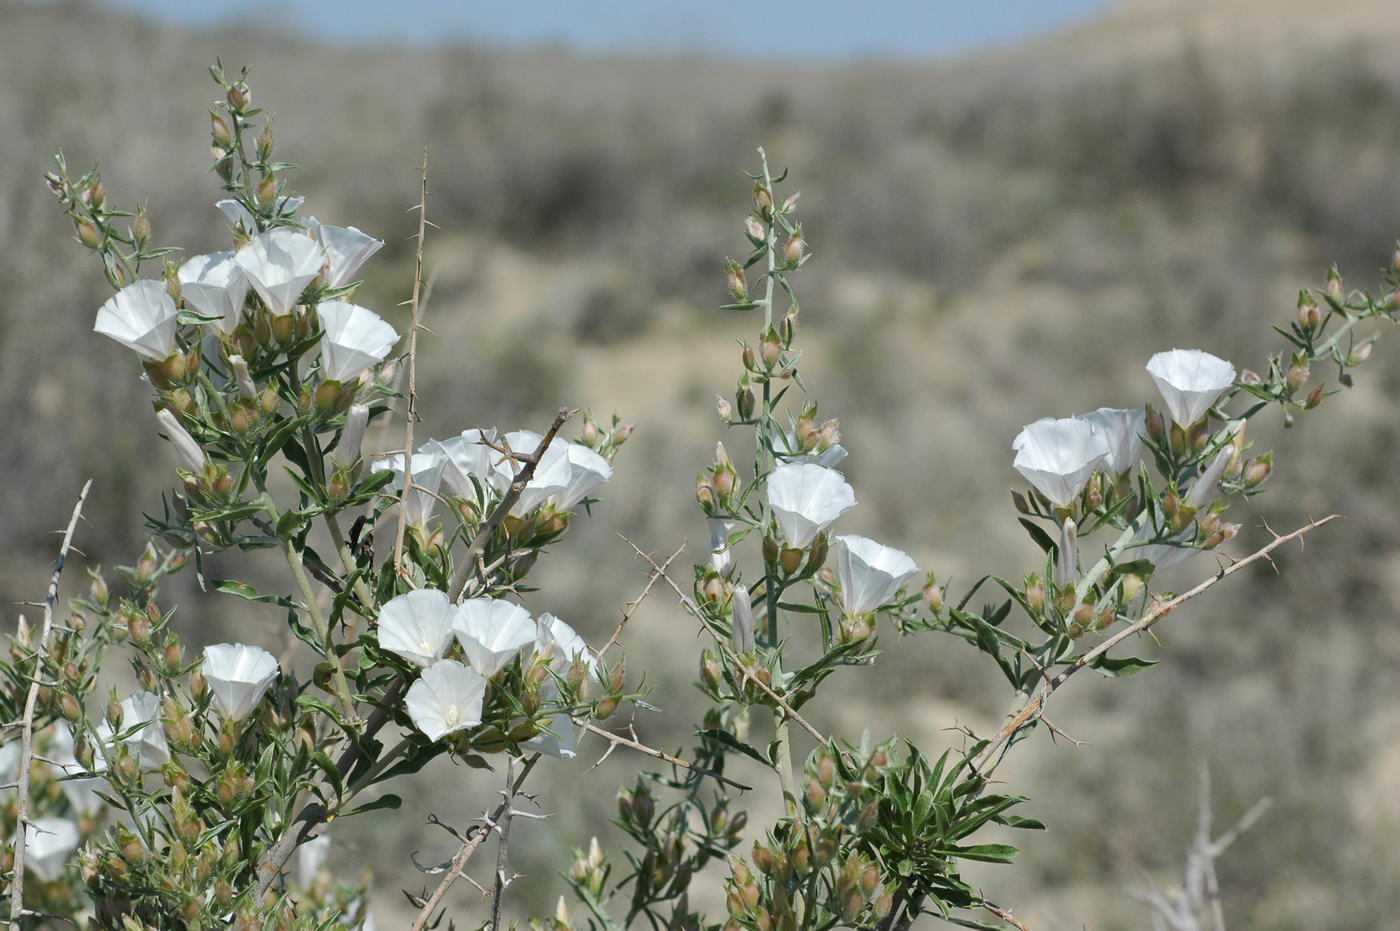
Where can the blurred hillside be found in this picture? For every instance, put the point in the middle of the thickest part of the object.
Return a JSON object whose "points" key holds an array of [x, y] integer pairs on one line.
{"points": [[999, 237]]}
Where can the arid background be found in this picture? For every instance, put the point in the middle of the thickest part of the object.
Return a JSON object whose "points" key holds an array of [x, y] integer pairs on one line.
{"points": [[999, 236]]}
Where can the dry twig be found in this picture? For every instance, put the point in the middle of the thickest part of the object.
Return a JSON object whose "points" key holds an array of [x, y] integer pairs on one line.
{"points": [[26, 753], [411, 406]]}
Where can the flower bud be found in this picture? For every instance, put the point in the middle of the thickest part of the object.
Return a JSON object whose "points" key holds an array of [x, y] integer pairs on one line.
{"points": [[1309, 317], [1258, 470], [933, 595], [736, 282], [770, 349], [267, 189], [1334, 284], [724, 409], [754, 230], [742, 628], [745, 400], [710, 672], [1361, 351], [1298, 373], [762, 201], [790, 559], [188, 451], [140, 230], [1250, 377], [87, 234], [620, 434], [219, 130], [1067, 555]]}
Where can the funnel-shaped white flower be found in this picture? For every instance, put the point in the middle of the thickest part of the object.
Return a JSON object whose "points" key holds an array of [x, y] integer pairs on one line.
{"points": [[1057, 456], [721, 556], [239, 676], [78, 785], [1122, 429], [48, 844], [355, 338], [491, 632], [346, 250], [141, 316], [806, 498], [552, 475], [238, 215], [870, 573], [446, 698], [280, 264], [1190, 381], [417, 625], [568, 645], [215, 286], [467, 455], [140, 711], [587, 470], [427, 479]]}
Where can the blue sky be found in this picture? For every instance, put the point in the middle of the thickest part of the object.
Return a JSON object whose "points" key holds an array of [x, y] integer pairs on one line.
{"points": [[809, 28]]}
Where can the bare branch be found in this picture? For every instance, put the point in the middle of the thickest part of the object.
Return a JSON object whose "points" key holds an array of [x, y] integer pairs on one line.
{"points": [[699, 615], [986, 761], [630, 744], [411, 406], [26, 753], [632, 606]]}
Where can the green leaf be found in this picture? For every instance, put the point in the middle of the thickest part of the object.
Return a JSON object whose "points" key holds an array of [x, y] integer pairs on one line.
{"points": [[243, 590], [728, 740], [1124, 666], [1038, 534], [389, 801], [987, 853]]}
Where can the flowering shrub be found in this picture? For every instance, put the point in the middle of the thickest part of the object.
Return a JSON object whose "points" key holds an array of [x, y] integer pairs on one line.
{"points": [[184, 803]]}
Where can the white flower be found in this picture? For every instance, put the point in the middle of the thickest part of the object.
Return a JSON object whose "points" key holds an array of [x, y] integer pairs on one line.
{"points": [[568, 645], [141, 316], [9, 761], [468, 455], [238, 215], [721, 557], [1123, 430], [48, 843], [427, 478], [79, 786], [280, 264], [355, 339], [311, 856], [353, 436], [239, 676], [189, 451], [870, 573], [215, 286], [346, 250], [1190, 381], [142, 712], [417, 625], [1057, 456], [552, 474], [491, 632], [446, 698], [806, 498], [568, 648], [587, 470]]}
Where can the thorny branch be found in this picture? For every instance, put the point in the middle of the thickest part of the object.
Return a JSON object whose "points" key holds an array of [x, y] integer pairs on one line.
{"points": [[473, 840], [26, 754], [689, 604], [987, 759], [411, 407]]}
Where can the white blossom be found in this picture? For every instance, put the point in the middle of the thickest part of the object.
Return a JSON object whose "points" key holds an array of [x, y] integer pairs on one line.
{"points": [[1123, 429], [239, 215], [1057, 456], [141, 316], [427, 479], [742, 628], [346, 250], [48, 844], [140, 711], [1190, 381], [280, 264], [568, 647], [870, 573], [446, 698], [239, 676], [189, 451], [417, 625], [492, 631], [587, 470], [552, 475], [215, 286], [467, 455], [721, 555], [806, 499], [355, 339]]}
